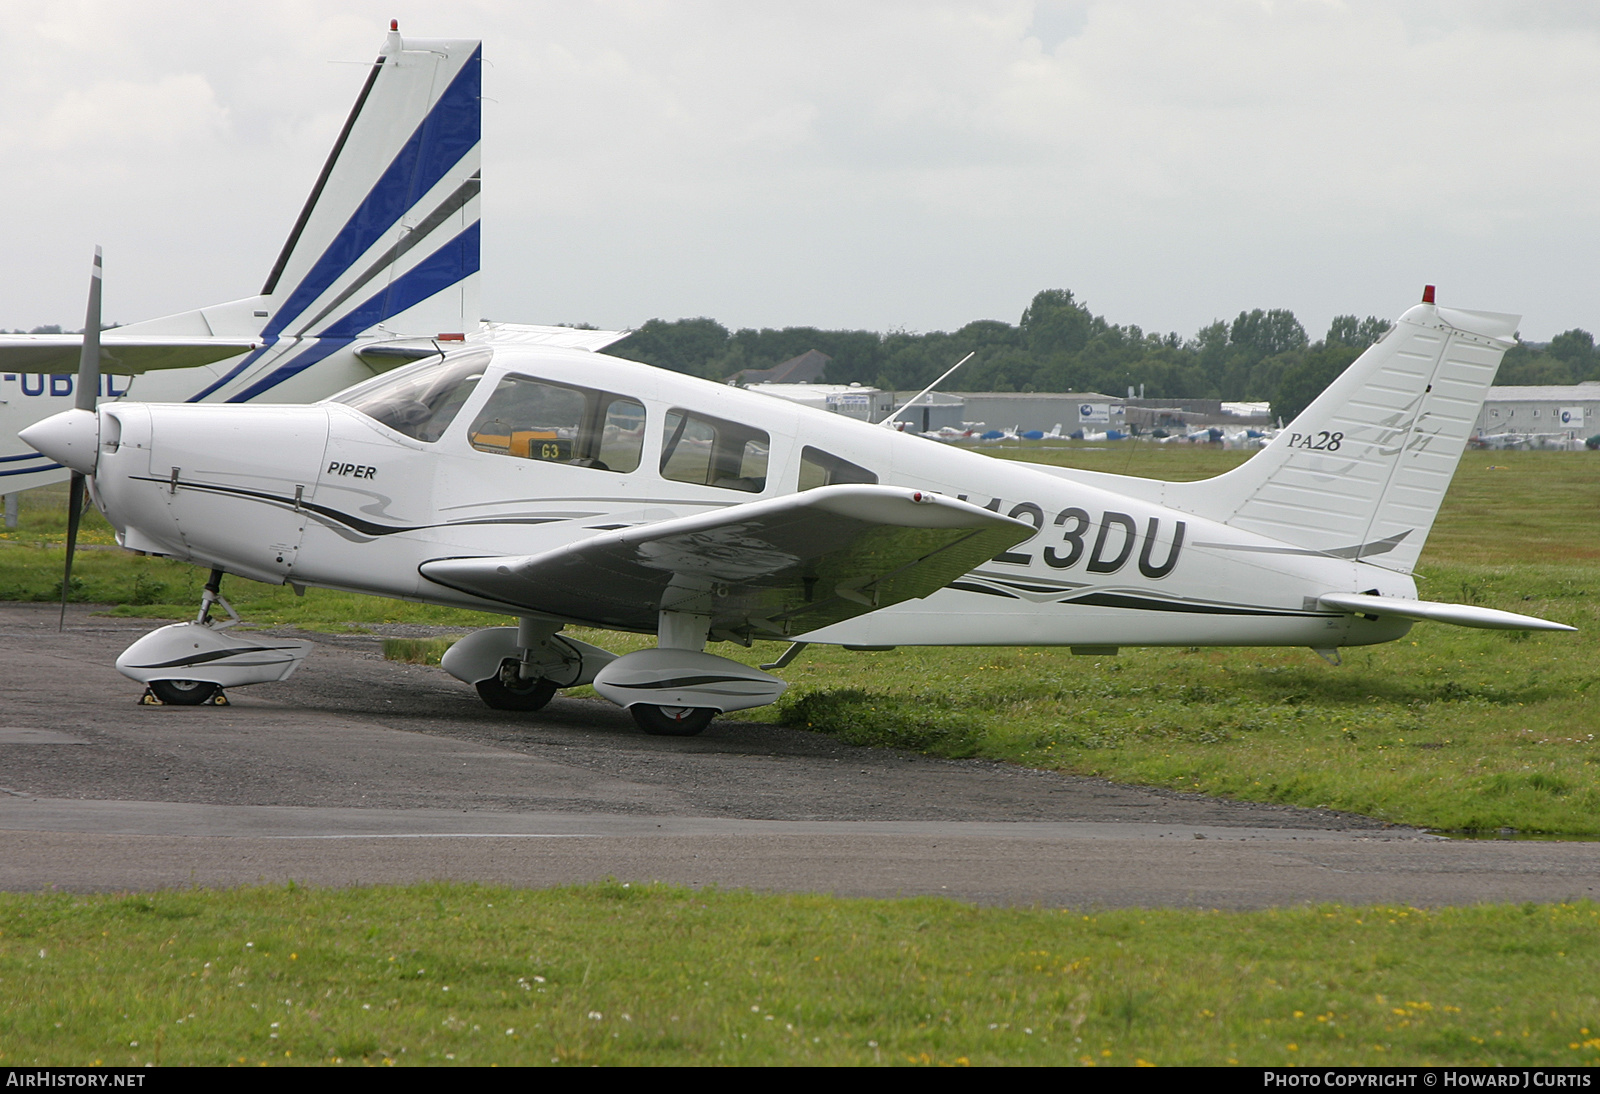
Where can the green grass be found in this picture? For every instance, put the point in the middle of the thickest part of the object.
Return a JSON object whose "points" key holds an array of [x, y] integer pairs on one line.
{"points": [[1449, 728], [417, 651], [1440, 734], [646, 974]]}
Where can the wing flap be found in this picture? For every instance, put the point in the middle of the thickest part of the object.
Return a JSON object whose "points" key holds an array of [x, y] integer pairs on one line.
{"points": [[1462, 615], [765, 569]]}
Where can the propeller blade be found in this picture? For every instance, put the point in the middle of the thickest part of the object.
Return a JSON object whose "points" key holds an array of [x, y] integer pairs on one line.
{"points": [[84, 398], [88, 390], [74, 511]]}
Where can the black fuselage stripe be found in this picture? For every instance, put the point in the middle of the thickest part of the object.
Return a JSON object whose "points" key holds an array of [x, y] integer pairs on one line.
{"points": [[968, 587], [365, 527], [1140, 603]]}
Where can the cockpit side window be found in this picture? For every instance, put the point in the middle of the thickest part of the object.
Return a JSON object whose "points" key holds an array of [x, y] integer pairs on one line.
{"points": [[558, 423], [420, 400], [713, 452], [819, 468]]}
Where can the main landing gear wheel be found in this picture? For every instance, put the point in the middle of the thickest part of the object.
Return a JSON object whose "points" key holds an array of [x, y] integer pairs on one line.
{"points": [[509, 691], [671, 721], [183, 693]]}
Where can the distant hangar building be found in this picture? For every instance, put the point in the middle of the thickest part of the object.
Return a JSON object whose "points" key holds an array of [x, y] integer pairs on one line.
{"points": [[1570, 409], [931, 412], [1041, 410]]}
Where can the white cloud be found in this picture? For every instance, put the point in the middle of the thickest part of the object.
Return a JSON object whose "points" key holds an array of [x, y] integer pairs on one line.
{"points": [[899, 163], [171, 112]]}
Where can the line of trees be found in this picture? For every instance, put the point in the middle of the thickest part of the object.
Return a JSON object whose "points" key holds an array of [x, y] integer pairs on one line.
{"points": [[1059, 345]]}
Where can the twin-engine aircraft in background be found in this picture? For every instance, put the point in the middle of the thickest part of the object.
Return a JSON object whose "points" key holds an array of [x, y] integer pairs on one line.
{"points": [[560, 486], [382, 262]]}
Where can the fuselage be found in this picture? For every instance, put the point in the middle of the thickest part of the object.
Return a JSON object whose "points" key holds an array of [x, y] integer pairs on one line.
{"points": [[433, 461]]}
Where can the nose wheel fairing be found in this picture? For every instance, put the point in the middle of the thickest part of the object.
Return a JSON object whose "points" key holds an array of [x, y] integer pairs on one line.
{"points": [[200, 653]]}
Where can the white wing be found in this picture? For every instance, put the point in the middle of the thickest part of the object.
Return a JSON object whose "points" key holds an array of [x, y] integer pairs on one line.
{"points": [[765, 569]]}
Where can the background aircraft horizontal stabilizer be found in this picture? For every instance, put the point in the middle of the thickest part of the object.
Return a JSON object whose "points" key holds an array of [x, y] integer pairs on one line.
{"points": [[120, 356], [532, 334], [1462, 615], [762, 569], [381, 356]]}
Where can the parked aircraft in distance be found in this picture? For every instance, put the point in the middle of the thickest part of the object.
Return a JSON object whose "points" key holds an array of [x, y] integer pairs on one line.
{"points": [[1526, 442], [565, 487], [382, 262]]}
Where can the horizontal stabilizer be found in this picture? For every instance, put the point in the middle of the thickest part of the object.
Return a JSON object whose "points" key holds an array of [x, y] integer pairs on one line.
{"points": [[128, 355], [530, 334], [1462, 615], [765, 569]]}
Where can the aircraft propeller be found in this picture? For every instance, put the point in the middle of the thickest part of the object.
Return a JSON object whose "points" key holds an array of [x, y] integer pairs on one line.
{"points": [[84, 397]]}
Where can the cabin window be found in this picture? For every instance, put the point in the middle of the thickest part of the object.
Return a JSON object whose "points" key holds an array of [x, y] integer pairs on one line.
{"points": [[420, 400], [713, 452], [819, 468], [536, 420]]}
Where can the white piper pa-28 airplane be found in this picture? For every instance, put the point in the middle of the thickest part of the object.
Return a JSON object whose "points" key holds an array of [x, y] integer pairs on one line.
{"points": [[381, 264], [562, 486]]}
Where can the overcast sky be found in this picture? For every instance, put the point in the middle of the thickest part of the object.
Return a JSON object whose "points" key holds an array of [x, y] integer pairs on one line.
{"points": [[869, 165]]}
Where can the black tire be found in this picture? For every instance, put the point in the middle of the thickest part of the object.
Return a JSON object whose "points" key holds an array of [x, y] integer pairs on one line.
{"points": [[671, 721], [509, 691], [183, 693]]}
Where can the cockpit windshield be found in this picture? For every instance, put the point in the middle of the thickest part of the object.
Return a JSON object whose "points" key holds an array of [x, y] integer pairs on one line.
{"points": [[421, 400]]}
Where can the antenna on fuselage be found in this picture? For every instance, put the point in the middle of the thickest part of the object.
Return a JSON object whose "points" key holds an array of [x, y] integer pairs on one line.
{"points": [[888, 423]]}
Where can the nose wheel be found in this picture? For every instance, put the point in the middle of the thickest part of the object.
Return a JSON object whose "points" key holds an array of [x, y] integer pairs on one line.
{"points": [[184, 693], [509, 691], [671, 721]]}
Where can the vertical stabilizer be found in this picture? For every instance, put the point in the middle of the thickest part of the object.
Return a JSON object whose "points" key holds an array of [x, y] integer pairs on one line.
{"points": [[1361, 472], [386, 246], [389, 236]]}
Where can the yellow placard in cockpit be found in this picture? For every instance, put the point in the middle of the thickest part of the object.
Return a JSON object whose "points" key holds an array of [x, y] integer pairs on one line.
{"points": [[527, 444]]}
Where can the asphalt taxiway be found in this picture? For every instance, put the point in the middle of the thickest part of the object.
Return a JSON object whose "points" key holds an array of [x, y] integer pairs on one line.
{"points": [[359, 771]]}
